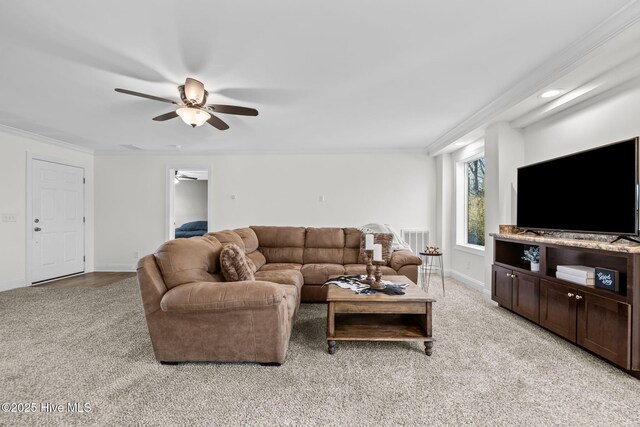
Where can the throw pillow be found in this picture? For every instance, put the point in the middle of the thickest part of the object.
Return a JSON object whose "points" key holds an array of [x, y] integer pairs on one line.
{"points": [[252, 265], [233, 264], [385, 239]]}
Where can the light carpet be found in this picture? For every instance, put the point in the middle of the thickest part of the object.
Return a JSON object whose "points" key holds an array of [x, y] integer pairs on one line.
{"points": [[489, 367]]}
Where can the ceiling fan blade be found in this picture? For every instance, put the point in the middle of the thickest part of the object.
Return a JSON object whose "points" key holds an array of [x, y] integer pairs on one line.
{"points": [[166, 116], [144, 95], [194, 90], [233, 109], [217, 123]]}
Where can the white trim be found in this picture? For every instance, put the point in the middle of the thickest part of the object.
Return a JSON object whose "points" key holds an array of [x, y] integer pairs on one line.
{"points": [[29, 208], [537, 79], [125, 268], [470, 282], [284, 152], [471, 249], [45, 139], [12, 284], [170, 195], [466, 155]]}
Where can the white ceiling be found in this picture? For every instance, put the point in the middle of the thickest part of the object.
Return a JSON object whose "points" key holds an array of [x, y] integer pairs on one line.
{"points": [[325, 76]]}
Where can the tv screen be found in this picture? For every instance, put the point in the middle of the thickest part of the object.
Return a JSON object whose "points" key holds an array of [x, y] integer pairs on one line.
{"points": [[593, 191]]}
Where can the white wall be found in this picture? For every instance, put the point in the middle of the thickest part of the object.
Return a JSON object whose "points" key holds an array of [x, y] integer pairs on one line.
{"points": [[398, 189], [191, 201], [504, 153], [610, 118], [15, 147]]}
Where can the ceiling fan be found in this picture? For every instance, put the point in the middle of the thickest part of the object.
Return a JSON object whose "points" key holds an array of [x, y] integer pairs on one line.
{"points": [[180, 175], [193, 109]]}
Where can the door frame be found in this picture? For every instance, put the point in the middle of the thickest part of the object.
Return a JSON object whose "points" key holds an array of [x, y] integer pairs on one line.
{"points": [[170, 195], [29, 209]]}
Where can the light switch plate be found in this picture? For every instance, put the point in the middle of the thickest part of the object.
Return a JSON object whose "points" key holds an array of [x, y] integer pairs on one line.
{"points": [[9, 217]]}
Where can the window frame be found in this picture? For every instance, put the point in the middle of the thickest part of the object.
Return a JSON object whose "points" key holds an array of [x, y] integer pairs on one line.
{"points": [[465, 156]]}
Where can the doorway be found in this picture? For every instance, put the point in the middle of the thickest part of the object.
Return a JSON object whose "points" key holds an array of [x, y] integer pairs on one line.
{"points": [[188, 208], [55, 227]]}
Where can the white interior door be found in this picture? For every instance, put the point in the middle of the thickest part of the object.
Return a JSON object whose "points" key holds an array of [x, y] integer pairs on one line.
{"points": [[57, 232]]}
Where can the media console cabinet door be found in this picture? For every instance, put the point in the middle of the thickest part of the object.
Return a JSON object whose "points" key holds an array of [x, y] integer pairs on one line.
{"points": [[502, 285], [526, 296], [558, 309], [604, 328]]}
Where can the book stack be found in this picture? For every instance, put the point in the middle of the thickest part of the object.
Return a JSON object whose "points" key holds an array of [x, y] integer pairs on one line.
{"points": [[580, 274]]}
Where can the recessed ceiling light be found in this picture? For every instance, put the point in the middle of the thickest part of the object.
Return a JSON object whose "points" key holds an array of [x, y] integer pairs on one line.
{"points": [[551, 93]]}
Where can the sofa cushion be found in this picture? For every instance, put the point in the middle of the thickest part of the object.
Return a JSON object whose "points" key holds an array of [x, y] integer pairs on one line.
{"points": [[234, 264], [249, 238], [317, 274], [188, 260], [351, 269], [351, 245], [283, 277], [281, 266], [324, 245], [281, 244], [203, 296], [385, 239], [257, 259], [228, 236]]}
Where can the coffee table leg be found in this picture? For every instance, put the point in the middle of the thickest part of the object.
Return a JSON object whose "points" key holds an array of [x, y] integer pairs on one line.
{"points": [[428, 348], [332, 347]]}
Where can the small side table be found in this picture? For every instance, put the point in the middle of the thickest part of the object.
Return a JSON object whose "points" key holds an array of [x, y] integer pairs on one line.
{"points": [[429, 265]]}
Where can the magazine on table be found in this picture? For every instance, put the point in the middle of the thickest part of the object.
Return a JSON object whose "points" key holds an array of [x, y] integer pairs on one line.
{"points": [[356, 282]]}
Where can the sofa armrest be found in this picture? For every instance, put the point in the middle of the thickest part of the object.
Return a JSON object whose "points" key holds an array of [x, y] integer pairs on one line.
{"points": [[219, 296], [403, 257], [151, 284]]}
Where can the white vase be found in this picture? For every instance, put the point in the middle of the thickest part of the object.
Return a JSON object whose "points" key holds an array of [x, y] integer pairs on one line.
{"points": [[535, 266]]}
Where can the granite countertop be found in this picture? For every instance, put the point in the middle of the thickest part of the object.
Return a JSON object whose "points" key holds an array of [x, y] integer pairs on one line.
{"points": [[619, 246]]}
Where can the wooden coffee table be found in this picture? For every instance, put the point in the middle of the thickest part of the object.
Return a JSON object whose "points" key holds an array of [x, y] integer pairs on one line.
{"points": [[379, 317]]}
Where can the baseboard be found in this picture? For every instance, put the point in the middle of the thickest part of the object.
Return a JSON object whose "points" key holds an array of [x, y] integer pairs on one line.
{"points": [[115, 268], [470, 282], [12, 284]]}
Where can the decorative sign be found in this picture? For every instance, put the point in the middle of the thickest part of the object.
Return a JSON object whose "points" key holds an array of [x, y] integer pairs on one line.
{"points": [[607, 279]]}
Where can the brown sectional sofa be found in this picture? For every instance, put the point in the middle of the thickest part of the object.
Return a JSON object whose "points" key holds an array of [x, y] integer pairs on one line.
{"points": [[193, 314]]}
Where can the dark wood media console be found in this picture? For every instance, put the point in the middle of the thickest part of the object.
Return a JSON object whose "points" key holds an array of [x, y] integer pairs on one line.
{"points": [[604, 322]]}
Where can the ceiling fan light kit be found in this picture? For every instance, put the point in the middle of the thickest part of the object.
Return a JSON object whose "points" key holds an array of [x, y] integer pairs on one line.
{"points": [[193, 109], [193, 116]]}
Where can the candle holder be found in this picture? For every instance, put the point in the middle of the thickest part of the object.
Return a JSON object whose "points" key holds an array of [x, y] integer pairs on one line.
{"points": [[377, 283], [369, 254]]}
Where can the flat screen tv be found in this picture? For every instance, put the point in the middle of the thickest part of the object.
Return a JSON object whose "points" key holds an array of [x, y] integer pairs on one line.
{"points": [[592, 191]]}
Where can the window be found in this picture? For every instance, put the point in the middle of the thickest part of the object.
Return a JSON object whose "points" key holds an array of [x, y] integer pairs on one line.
{"points": [[469, 196], [474, 202]]}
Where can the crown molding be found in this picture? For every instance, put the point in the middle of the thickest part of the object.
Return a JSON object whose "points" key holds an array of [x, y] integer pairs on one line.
{"points": [[44, 139], [543, 75], [184, 153]]}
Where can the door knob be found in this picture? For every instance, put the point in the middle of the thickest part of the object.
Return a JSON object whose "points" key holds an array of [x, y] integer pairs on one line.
{"points": [[37, 229], [569, 294], [578, 296]]}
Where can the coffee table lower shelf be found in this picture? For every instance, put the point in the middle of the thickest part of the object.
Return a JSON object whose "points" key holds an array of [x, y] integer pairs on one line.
{"points": [[379, 327]]}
